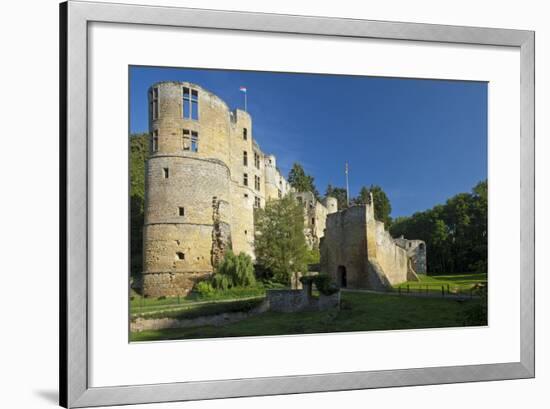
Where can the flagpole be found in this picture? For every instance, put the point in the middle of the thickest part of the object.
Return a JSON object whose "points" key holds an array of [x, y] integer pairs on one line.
{"points": [[347, 185]]}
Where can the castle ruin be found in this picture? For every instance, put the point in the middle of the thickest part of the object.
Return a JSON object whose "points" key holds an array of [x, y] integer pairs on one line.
{"points": [[204, 177], [358, 252]]}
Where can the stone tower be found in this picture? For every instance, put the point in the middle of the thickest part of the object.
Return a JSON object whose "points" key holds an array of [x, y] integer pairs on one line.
{"points": [[204, 177]]}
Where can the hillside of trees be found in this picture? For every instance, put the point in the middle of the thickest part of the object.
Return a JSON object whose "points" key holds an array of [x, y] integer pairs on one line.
{"points": [[139, 153], [455, 232]]}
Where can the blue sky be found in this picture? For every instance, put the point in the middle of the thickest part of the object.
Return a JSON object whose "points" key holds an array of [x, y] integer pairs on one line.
{"points": [[421, 140]]}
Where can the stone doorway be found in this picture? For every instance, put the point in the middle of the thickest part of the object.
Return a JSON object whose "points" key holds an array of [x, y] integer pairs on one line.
{"points": [[341, 277]]}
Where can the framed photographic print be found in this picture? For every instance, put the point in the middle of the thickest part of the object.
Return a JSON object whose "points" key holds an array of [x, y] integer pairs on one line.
{"points": [[259, 204]]}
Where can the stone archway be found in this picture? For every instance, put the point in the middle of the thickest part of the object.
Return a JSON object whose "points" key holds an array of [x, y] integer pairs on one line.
{"points": [[341, 277]]}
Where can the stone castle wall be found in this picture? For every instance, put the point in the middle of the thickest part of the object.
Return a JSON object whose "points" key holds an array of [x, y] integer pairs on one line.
{"points": [[416, 251], [204, 177], [357, 251]]}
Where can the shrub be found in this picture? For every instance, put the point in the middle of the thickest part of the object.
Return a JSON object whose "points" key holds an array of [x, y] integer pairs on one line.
{"points": [[234, 271], [204, 288], [162, 297], [323, 282]]}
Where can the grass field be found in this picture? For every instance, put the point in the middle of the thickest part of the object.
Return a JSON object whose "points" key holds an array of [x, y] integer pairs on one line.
{"points": [[140, 305], [456, 283], [359, 312]]}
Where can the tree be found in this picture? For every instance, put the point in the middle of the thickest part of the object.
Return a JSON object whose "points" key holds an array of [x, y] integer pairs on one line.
{"points": [[382, 205], [339, 193], [301, 181], [139, 153], [280, 244], [455, 232], [234, 271]]}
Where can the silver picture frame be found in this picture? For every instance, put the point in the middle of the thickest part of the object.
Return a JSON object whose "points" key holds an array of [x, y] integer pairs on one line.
{"points": [[75, 16]]}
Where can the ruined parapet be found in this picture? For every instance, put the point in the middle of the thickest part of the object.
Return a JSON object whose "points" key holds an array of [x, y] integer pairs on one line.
{"points": [[221, 231], [315, 216], [331, 203], [416, 251]]}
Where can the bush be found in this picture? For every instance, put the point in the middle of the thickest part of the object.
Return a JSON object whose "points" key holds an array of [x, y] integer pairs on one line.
{"points": [[323, 282], [204, 288], [234, 271]]}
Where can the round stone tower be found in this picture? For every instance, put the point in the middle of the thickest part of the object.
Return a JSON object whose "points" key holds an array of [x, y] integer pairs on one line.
{"points": [[187, 199]]}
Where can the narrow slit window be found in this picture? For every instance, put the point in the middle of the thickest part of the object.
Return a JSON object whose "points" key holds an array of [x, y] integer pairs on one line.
{"points": [[166, 173], [245, 179], [155, 142], [245, 158], [181, 211], [245, 134]]}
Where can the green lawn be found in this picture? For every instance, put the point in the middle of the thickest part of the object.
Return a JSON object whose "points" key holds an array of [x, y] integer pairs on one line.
{"points": [[359, 312], [140, 305], [456, 283]]}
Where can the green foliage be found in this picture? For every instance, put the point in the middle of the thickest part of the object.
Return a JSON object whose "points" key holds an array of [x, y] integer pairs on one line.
{"points": [[477, 313], [359, 311], [322, 282], [280, 244], [234, 271], [139, 153], [455, 233], [382, 205], [313, 256], [301, 181], [339, 193], [204, 288]]}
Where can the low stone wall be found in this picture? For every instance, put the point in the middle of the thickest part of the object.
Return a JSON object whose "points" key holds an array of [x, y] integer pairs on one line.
{"points": [[300, 300]]}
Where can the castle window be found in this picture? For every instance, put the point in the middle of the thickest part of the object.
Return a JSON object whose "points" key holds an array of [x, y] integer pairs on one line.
{"points": [[245, 232], [154, 103], [186, 140], [181, 211], [194, 105], [257, 202], [190, 103], [313, 220], [166, 173], [194, 141], [279, 193], [245, 179], [155, 144], [246, 195], [245, 158], [256, 160], [256, 182], [245, 134], [180, 255]]}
